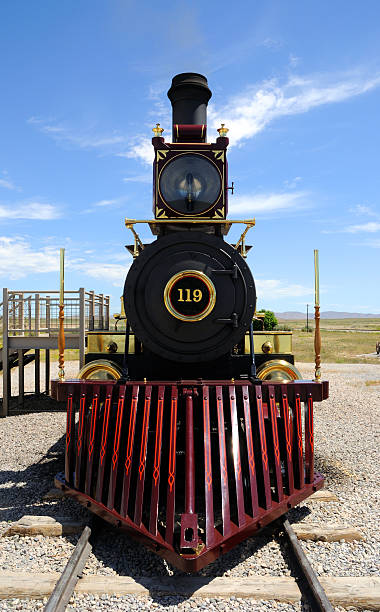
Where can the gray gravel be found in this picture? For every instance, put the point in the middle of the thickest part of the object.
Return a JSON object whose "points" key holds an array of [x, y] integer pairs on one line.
{"points": [[346, 432]]}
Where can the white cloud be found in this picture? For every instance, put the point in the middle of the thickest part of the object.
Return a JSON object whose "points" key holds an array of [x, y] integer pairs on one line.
{"points": [[359, 209], [249, 112], [266, 202], [139, 178], [142, 150], [107, 202], [109, 272], [7, 184], [19, 259], [370, 227], [273, 289], [29, 210], [84, 139]]}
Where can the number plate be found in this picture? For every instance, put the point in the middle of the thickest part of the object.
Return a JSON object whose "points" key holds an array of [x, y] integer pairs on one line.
{"points": [[190, 295]]}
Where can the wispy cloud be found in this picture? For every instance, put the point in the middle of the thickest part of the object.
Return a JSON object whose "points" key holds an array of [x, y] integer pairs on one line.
{"points": [[7, 183], [273, 289], [29, 210], [249, 112], [111, 203], [110, 272], [361, 210], [371, 227], [267, 202], [141, 149], [139, 178], [85, 138], [19, 259]]}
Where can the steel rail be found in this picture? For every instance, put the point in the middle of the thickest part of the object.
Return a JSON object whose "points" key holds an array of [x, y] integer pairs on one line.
{"points": [[65, 586], [322, 603]]}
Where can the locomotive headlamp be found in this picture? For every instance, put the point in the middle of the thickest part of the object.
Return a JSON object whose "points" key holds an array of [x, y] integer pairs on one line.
{"points": [[190, 184]]}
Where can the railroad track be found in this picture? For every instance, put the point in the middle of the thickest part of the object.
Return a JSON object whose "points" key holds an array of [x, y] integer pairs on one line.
{"points": [[306, 583], [66, 584]]}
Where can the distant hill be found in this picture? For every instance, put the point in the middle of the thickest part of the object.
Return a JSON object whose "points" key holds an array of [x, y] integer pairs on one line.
{"points": [[329, 314]]}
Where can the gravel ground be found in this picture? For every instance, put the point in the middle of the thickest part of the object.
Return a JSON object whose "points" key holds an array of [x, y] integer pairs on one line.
{"points": [[346, 432]]}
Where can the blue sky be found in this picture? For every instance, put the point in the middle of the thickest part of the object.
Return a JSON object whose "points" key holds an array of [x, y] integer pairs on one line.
{"points": [[298, 84]]}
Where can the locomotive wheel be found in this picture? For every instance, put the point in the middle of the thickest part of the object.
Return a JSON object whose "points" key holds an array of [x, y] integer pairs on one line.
{"points": [[189, 297], [100, 369], [277, 370]]}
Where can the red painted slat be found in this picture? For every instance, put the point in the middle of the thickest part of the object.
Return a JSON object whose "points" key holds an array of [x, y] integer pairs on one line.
{"points": [[91, 438], [309, 440], [129, 450], [103, 443], [142, 458], [299, 477], [170, 503], [116, 447], [70, 431], [276, 443], [236, 457], [156, 463], [284, 408], [81, 437], [263, 447], [210, 531], [223, 463], [251, 454]]}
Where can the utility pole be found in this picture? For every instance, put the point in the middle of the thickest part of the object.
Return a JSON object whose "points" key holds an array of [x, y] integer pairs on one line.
{"points": [[307, 317]]}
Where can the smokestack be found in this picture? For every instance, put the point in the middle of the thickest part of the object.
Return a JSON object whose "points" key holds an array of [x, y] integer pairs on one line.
{"points": [[189, 95]]}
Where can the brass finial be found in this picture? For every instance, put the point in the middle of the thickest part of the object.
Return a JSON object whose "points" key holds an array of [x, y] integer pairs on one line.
{"points": [[158, 130], [223, 130]]}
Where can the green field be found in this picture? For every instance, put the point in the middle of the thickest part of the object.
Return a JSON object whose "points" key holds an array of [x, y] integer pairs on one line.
{"points": [[338, 346]]}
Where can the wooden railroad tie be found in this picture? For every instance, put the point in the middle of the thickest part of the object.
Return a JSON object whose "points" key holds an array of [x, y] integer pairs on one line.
{"points": [[362, 592], [58, 526]]}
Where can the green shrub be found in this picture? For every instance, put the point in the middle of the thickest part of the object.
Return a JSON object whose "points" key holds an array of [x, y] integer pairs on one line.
{"points": [[270, 320]]}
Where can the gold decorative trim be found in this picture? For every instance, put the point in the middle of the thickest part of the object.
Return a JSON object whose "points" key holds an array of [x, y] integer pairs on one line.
{"points": [[219, 155], [161, 154], [160, 213], [278, 369], [210, 286], [100, 369]]}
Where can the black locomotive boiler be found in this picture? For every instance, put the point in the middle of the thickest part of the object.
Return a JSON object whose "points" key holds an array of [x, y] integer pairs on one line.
{"points": [[188, 438]]}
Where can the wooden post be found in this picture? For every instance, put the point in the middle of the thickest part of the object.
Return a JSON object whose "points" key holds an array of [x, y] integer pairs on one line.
{"points": [[82, 326], [107, 317], [4, 408], [30, 315], [12, 301], [317, 333], [21, 312], [91, 318], [37, 371], [48, 323], [47, 371], [101, 317], [20, 377], [37, 389], [61, 334]]}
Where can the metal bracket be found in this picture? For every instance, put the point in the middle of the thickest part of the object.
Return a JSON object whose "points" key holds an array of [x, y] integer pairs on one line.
{"points": [[138, 246], [233, 320], [240, 245], [233, 272]]}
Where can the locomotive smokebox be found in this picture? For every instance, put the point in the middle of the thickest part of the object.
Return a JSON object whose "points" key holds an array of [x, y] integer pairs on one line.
{"points": [[189, 95]]}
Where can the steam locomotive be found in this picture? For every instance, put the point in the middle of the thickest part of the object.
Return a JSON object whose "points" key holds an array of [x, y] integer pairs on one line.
{"points": [[193, 432]]}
